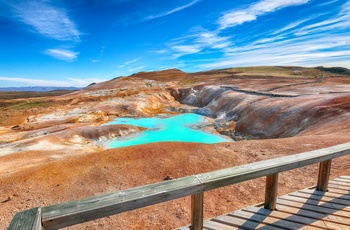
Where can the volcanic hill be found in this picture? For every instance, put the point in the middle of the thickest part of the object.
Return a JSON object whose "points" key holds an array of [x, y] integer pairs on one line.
{"points": [[52, 147]]}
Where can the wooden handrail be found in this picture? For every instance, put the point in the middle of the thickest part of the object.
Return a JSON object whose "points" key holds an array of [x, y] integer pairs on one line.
{"points": [[27, 220], [79, 211]]}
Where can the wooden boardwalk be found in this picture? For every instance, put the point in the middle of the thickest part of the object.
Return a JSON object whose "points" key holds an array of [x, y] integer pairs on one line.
{"points": [[304, 209]]}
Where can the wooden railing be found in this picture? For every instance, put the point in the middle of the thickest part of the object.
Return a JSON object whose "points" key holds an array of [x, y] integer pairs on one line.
{"points": [[79, 211]]}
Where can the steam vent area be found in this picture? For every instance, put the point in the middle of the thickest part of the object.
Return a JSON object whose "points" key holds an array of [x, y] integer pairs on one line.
{"points": [[156, 126]]}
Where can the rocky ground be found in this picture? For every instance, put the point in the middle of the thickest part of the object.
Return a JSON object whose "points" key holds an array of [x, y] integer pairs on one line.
{"points": [[52, 151]]}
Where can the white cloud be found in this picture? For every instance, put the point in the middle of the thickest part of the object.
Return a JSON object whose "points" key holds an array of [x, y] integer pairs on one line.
{"points": [[266, 6], [84, 82], [263, 41], [221, 45], [62, 54], [212, 40], [336, 23], [237, 17], [323, 41], [199, 41], [162, 51], [204, 40], [328, 3], [173, 10], [186, 49], [58, 83], [47, 20], [292, 25], [325, 26], [129, 62], [136, 69], [298, 59], [307, 50]]}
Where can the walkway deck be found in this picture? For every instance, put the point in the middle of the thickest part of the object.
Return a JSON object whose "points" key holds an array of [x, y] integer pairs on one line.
{"points": [[304, 209]]}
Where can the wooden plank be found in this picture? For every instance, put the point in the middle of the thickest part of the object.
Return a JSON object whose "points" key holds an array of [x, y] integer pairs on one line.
{"points": [[310, 207], [337, 191], [315, 197], [332, 221], [338, 187], [319, 203], [323, 175], [229, 176], [183, 228], [271, 191], [314, 214], [305, 221], [212, 225], [328, 194], [345, 177], [342, 180], [243, 222], [66, 214], [267, 220], [27, 220], [301, 212], [345, 185], [197, 211]]}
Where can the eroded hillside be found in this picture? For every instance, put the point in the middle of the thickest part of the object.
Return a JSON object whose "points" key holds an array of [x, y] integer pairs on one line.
{"points": [[52, 148]]}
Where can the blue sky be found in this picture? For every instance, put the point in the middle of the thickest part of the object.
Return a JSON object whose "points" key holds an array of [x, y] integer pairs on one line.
{"points": [[75, 43]]}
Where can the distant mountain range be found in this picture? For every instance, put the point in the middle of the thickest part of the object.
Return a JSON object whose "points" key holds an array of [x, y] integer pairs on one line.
{"points": [[36, 88]]}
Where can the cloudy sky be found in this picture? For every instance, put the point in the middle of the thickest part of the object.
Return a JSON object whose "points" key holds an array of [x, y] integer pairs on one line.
{"points": [[75, 43]]}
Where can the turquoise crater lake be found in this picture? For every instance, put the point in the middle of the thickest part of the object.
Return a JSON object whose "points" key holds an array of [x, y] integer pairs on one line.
{"points": [[170, 129]]}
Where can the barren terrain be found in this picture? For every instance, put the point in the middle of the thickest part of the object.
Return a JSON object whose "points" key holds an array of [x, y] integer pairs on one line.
{"points": [[52, 148]]}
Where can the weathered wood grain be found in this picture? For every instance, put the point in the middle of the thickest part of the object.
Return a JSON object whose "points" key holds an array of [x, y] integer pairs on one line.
{"points": [[310, 207], [343, 181], [296, 218], [66, 214], [224, 177], [212, 225], [232, 221], [27, 220], [197, 211], [271, 191], [328, 194], [323, 175], [320, 203], [331, 200], [338, 187]]}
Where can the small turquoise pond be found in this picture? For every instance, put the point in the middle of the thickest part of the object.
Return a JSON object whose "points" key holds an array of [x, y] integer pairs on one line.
{"points": [[170, 129]]}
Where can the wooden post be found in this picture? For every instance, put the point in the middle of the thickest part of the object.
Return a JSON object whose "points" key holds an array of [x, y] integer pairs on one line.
{"points": [[27, 220], [323, 175], [271, 191], [197, 211]]}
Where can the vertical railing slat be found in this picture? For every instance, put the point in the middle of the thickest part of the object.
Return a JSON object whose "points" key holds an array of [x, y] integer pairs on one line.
{"points": [[271, 191], [197, 211], [323, 175]]}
